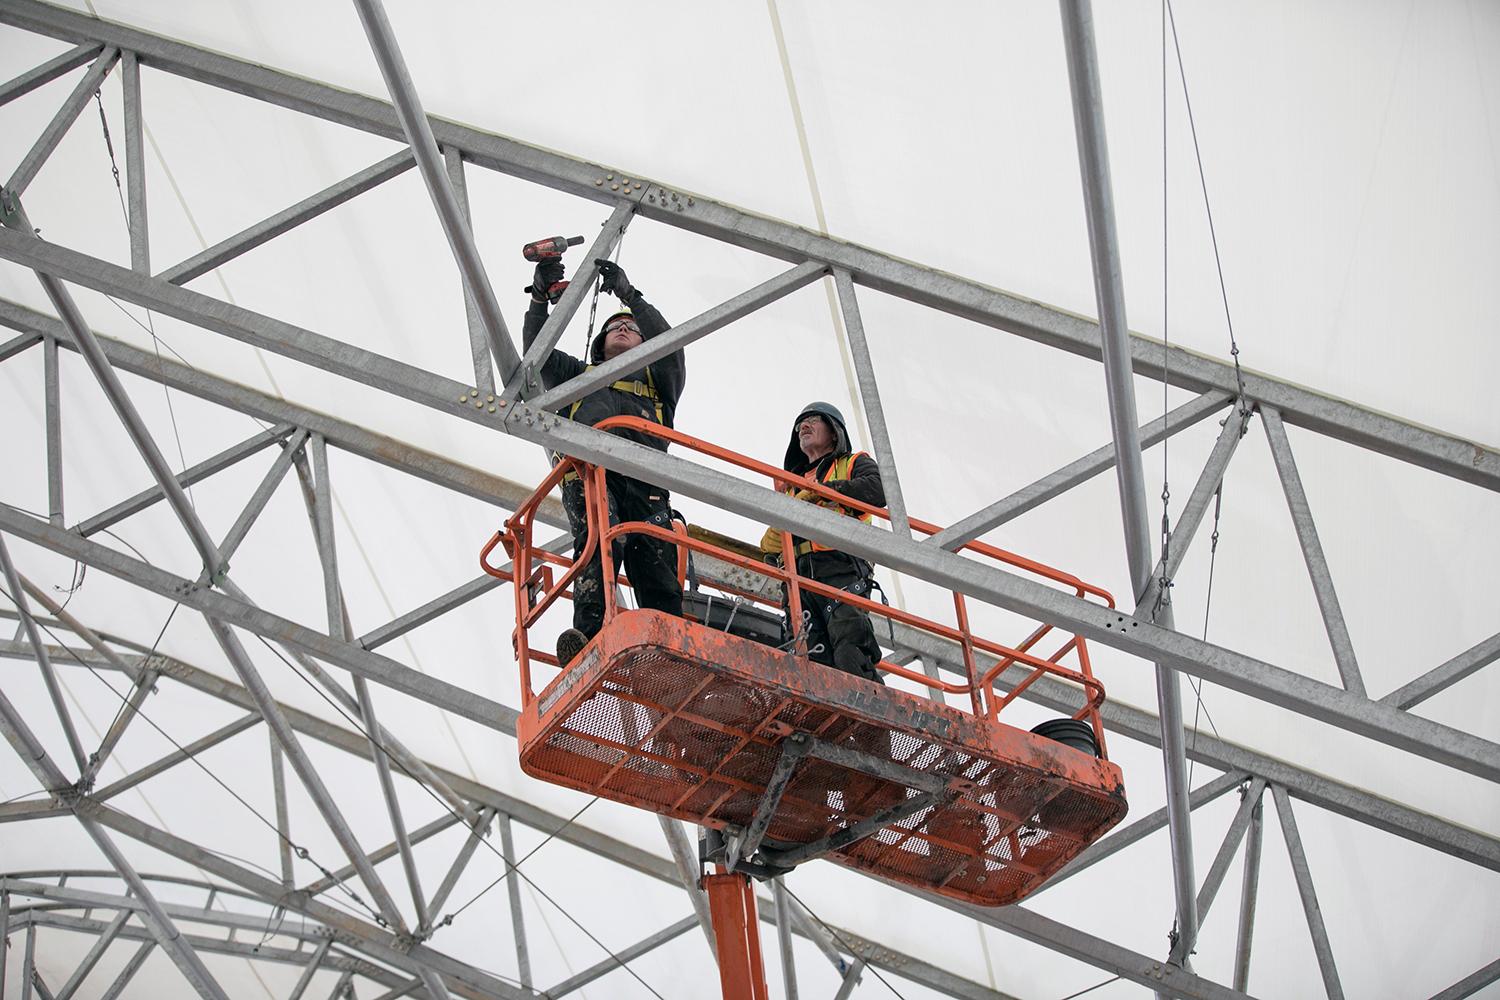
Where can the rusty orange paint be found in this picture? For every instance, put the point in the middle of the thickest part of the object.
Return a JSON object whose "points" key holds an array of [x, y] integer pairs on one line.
{"points": [[687, 721], [731, 907]]}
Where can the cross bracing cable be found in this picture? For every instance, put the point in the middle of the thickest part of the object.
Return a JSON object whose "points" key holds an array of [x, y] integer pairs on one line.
{"points": [[516, 867]]}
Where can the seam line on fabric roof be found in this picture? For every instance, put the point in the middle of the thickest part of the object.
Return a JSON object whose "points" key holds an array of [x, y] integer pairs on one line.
{"points": [[516, 867]]}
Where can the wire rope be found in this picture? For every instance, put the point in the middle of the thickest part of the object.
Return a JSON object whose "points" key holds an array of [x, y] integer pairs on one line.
{"points": [[298, 849], [516, 867], [840, 939]]}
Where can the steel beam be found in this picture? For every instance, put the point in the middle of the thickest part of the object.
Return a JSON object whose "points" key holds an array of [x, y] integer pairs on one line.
{"points": [[135, 164], [479, 350], [230, 609], [28, 963], [1249, 890], [461, 862], [388, 851], [19, 226], [342, 434], [165, 931], [311, 969], [685, 858], [122, 981], [61, 122], [783, 911], [578, 835], [44, 663], [424, 147], [1236, 833], [1336, 797], [202, 470], [1442, 677], [869, 394], [679, 337], [306, 771], [95, 952], [17, 344], [283, 816], [513, 896], [1221, 666], [1074, 473], [1472, 983], [48, 71], [214, 569], [1005, 590], [1447, 454], [1312, 552], [1207, 485], [320, 512], [1139, 830], [288, 219], [52, 390], [1305, 889], [291, 449], [176, 757], [4, 936], [381, 945], [142, 688], [621, 958]]}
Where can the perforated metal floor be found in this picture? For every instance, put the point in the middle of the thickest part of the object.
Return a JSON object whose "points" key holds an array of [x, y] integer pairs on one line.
{"points": [[677, 718]]}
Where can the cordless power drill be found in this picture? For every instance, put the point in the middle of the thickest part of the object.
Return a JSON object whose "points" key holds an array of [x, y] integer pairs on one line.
{"points": [[544, 251]]}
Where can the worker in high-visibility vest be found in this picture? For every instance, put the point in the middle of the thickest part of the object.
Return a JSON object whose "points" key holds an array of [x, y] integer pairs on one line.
{"points": [[652, 392], [838, 634]]}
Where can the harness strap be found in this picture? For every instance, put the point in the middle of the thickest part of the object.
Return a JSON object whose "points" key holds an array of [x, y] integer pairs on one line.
{"points": [[635, 387]]}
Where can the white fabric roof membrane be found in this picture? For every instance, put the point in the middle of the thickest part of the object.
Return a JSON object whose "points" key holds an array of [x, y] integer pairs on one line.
{"points": [[1350, 152]]}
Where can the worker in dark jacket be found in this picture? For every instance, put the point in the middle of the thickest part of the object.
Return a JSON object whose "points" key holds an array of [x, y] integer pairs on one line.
{"points": [[650, 392], [838, 634]]}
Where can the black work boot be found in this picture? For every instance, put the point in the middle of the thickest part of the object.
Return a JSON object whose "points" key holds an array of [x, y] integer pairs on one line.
{"points": [[569, 645]]}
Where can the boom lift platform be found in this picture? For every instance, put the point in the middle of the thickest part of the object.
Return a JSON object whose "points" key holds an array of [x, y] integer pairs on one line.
{"points": [[784, 760]]}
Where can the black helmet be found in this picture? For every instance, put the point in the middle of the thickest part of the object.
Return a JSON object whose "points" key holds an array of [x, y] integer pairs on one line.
{"points": [[596, 348], [797, 462]]}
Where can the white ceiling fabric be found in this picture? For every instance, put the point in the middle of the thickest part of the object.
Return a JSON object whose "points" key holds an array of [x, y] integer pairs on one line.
{"points": [[1351, 156]]}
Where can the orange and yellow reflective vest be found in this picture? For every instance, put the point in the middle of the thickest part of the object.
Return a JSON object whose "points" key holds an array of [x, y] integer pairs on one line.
{"points": [[838, 471]]}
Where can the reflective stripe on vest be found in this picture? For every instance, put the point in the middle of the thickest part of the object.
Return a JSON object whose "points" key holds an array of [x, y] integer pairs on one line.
{"points": [[838, 471]]}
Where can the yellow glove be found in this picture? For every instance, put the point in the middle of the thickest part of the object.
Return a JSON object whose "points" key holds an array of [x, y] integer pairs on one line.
{"points": [[806, 494], [770, 542]]}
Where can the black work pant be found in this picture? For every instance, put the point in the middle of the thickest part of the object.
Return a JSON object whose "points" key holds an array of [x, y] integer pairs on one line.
{"points": [[651, 563], [839, 635]]}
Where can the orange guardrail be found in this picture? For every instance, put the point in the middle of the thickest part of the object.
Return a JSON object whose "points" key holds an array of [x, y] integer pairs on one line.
{"points": [[538, 587]]}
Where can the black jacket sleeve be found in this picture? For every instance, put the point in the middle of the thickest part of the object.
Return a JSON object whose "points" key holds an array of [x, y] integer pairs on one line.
{"points": [[863, 483], [558, 366], [669, 373]]}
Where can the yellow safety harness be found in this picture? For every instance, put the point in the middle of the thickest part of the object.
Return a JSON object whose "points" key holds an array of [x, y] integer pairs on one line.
{"points": [[635, 387]]}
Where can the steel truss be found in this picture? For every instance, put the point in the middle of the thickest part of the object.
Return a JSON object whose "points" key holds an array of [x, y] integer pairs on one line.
{"points": [[396, 957]]}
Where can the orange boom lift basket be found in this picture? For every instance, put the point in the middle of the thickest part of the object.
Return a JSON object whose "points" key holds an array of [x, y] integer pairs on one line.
{"points": [[783, 759]]}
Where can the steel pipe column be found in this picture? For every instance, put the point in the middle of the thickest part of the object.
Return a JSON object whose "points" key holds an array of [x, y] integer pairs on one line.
{"points": [[1109, 289]]}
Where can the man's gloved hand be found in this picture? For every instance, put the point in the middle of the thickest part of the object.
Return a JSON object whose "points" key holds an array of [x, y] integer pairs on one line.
{"points": [[806, 494], [547, 274], [613, 280]]}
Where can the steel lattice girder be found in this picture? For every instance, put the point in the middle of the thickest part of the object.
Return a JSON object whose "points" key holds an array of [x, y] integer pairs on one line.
{"points": [[474, 483], [1049, 933], [1336, 418], [1222, 666], [438, 470], [969, 300]]}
